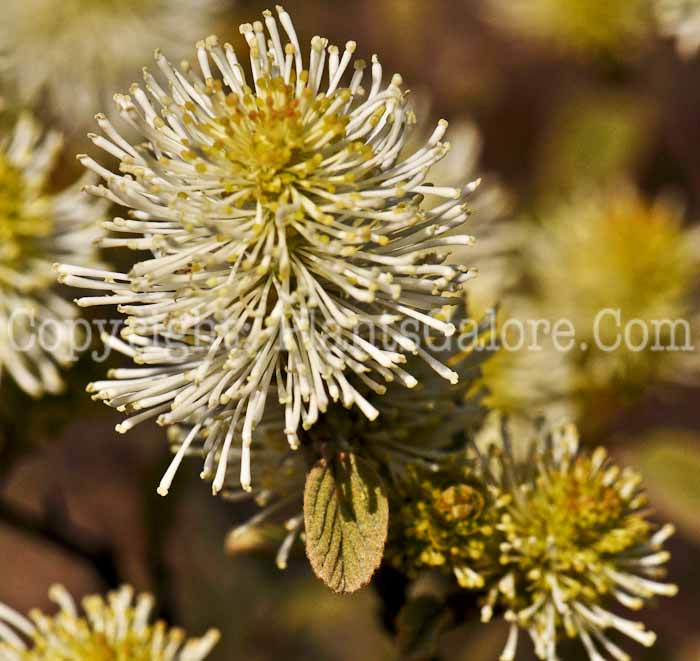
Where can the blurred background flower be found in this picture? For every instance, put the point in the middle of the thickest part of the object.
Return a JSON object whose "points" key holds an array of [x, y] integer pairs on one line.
{"points": [[680, 19], [38, 227], [588, 26], [67, 58], [621, 273]]}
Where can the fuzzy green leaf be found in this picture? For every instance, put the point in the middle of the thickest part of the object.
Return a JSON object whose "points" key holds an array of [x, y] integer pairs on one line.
{"points": [[346, 515]]}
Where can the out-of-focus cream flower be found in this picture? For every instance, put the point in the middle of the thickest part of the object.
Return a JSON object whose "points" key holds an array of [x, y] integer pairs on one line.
{"points": [[528, 375], [115, 629], [38, 228], [680, 19], [624, 272], [70, 56], [489, 205], [290, 243], [582, 26], [599, 301]]}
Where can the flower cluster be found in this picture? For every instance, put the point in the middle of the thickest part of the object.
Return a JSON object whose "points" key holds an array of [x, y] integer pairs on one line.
{"points": [[298, 305], [564, 533], [38, 228], [444, 520], [290, 247], [115, 629]]}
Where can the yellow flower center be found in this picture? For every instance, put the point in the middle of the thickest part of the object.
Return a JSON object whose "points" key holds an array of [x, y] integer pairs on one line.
{"points": [[574, 519], [78, 642], [267, 142], [24, 217]]}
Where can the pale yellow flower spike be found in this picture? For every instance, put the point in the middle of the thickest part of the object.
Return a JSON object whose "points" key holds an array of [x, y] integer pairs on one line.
{"points": [[115, 629], [576, 545]]}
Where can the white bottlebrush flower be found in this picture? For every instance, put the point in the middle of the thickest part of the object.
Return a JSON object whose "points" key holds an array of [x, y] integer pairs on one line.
{"points": [[680, 19], [38, 228], [117, 628], [70, 56], [291, 251]]}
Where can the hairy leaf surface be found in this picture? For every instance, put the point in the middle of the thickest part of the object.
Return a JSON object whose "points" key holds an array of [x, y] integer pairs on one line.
{"points": [[346, 514]]}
